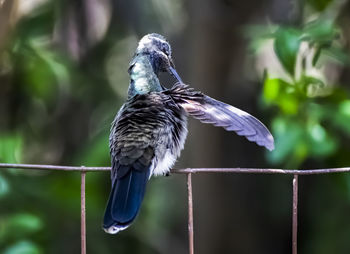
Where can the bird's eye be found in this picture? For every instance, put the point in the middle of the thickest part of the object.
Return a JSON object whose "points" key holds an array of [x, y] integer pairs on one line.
{"points": [[165, 48]]}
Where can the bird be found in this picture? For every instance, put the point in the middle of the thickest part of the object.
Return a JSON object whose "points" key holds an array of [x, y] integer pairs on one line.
{"points": [[150, 129]]}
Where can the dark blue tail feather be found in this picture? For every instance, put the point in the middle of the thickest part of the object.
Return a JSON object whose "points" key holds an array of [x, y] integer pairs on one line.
{"points": [[125, 200]]}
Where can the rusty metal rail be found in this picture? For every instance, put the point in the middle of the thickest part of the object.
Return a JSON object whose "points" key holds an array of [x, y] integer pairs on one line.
{"points": [[189, 172]]}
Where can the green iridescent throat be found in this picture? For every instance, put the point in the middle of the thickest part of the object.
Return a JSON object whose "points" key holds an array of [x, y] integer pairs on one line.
{"points": [[143, 78]]}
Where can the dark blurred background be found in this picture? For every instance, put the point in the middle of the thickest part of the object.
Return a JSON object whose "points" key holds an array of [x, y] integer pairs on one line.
{"points": [[63, 77]]}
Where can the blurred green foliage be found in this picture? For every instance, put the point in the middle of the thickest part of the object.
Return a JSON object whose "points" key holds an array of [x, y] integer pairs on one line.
{"points": [[310, 112], [310, 119], [22, 247], [56, 108]]}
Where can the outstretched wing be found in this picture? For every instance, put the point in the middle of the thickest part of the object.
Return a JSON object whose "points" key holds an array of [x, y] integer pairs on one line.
{"points": [[209, 110]]}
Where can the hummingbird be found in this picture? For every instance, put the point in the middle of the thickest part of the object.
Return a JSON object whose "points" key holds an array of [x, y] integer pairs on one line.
{"points": [[150, 129]]}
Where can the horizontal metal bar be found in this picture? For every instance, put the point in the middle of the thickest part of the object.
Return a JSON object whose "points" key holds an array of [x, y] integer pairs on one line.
{"points": [[262, 171], [53, 167], [189, 170]]}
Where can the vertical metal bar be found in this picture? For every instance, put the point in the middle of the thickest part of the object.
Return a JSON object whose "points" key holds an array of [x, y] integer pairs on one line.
{"points": [[190, 214], [82, 213], [295, 216]]}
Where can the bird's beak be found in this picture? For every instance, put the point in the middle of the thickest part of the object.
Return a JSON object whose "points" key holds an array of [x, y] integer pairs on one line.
{"points": [[173, 72]]}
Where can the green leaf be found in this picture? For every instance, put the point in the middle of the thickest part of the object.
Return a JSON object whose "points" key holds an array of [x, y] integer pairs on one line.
{"points": [[10, 148], [312, 86], [316, 56], [340, 116], [320, 31], [289, 104], [257, 35], [23, 247], [4, 186], [25, 222], [344, 108], [338, 54], [286, 46], [319, 5], [273, 88], [259, 31], [288, 134], [282, 94], [321, 144]]}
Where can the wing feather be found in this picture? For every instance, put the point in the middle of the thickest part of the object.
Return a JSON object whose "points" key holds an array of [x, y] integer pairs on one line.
{"points": [[209, 110]]}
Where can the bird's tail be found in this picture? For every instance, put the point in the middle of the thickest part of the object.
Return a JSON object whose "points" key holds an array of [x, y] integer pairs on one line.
{"points": [[125, 200]]}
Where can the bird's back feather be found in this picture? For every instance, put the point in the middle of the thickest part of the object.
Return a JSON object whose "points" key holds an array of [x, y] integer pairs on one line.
{"points": [[146, 138]]}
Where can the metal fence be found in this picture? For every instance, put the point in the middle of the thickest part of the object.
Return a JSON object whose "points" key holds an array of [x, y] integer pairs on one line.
{"points": [[189, 172]]}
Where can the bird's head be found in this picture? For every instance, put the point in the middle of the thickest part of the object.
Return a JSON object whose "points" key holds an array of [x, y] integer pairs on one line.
{"points": [[159, 51]]}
